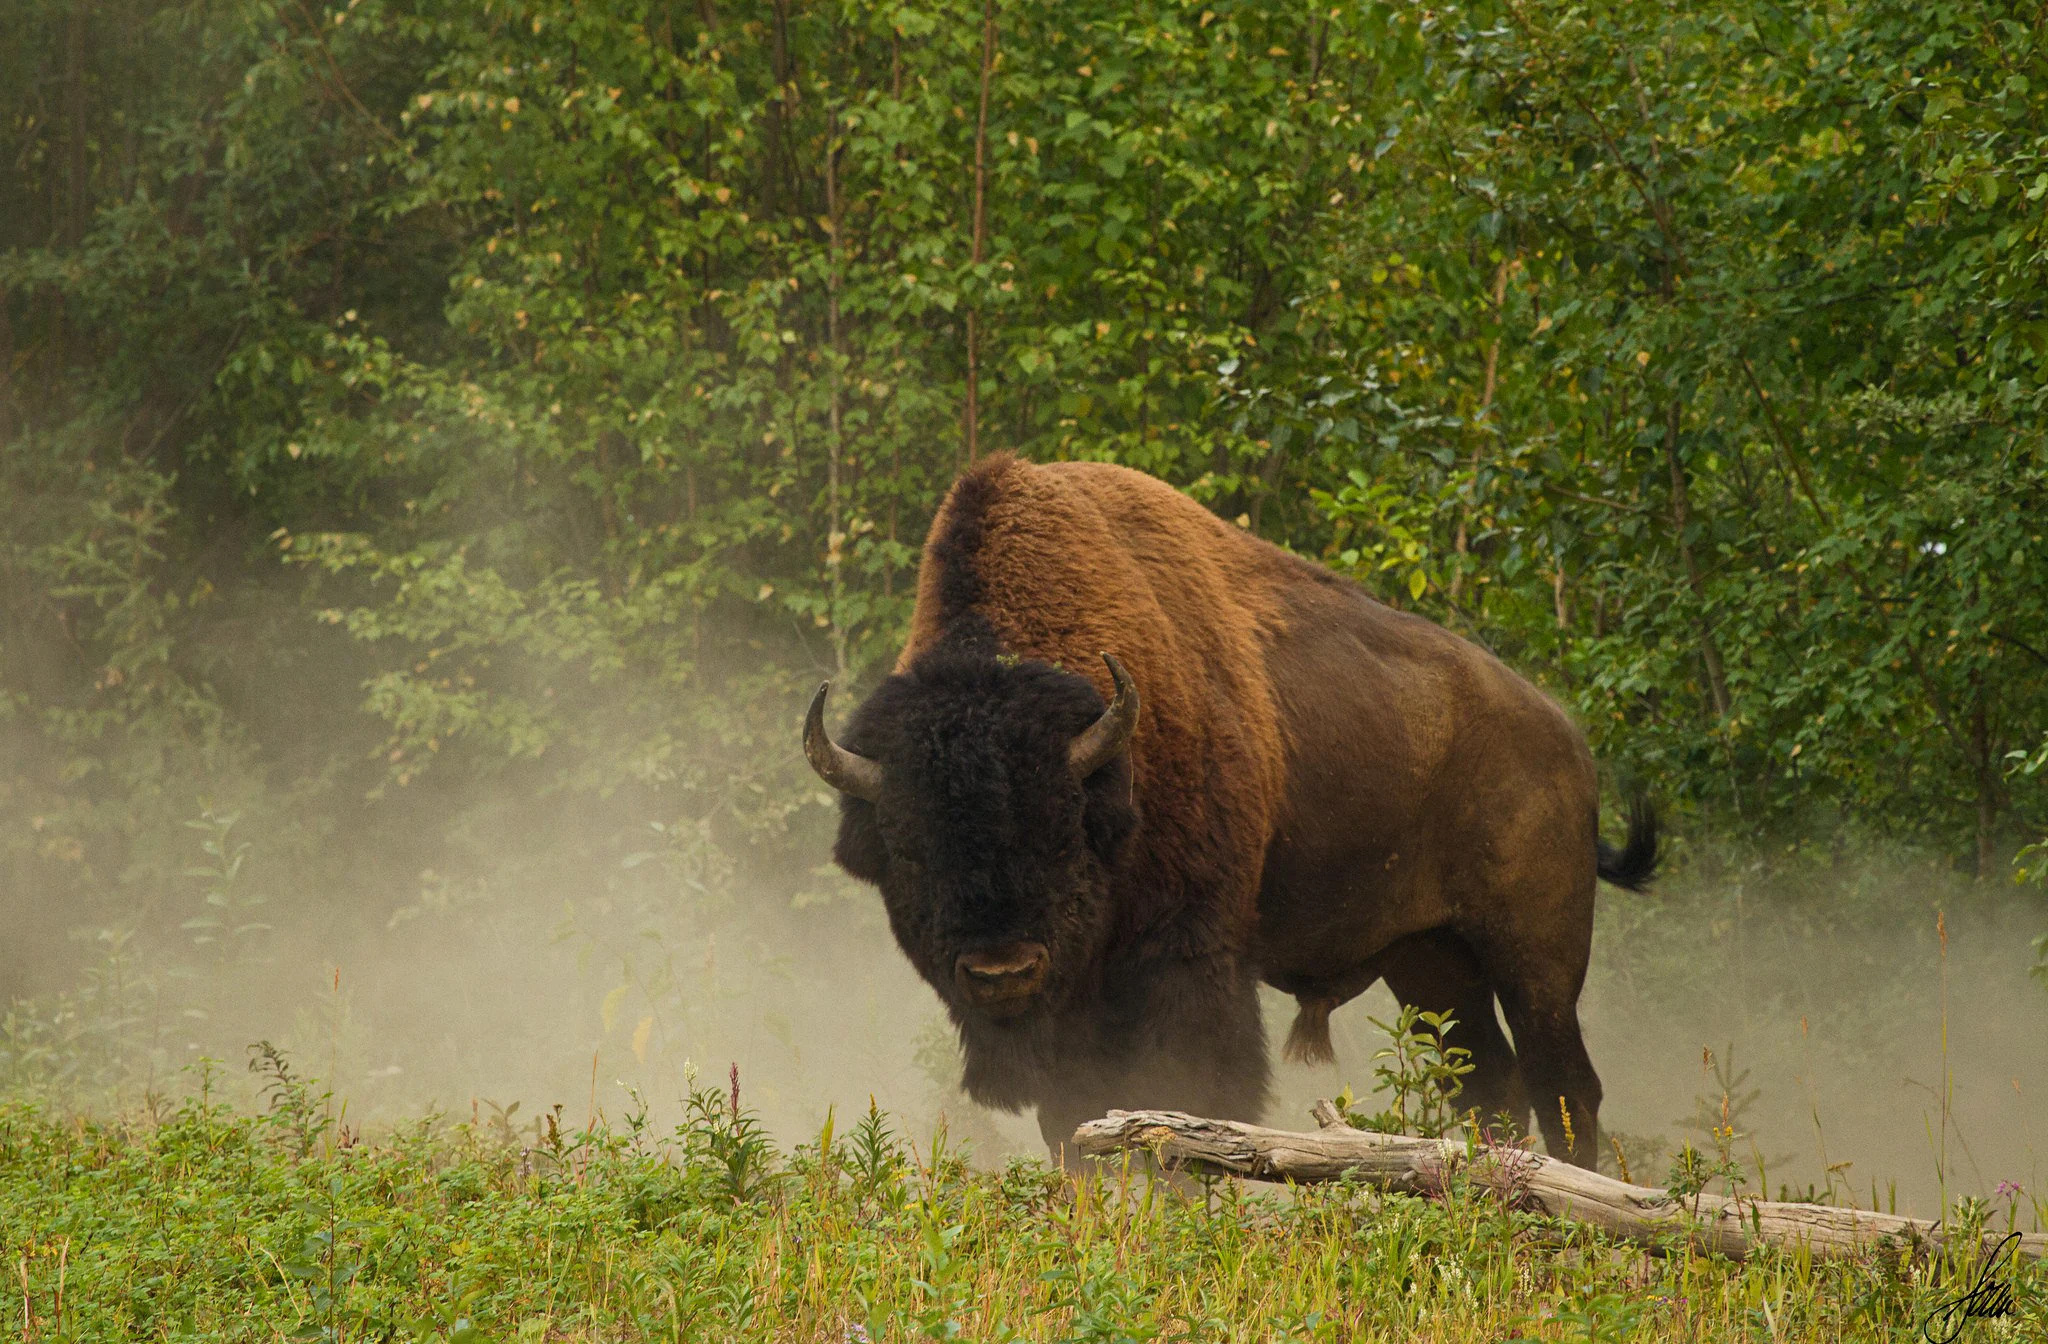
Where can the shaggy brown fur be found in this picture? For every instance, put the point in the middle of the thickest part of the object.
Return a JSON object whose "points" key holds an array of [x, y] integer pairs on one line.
{"points": [[1321, 792]]}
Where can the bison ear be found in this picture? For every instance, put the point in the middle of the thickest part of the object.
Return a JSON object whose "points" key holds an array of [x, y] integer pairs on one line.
{"points": [[859, 849], [1111, 810]]}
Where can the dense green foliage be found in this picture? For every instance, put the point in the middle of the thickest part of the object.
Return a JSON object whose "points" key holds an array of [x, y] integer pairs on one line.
{"points": [[402, 396], [442, 442], [204, 1225]]}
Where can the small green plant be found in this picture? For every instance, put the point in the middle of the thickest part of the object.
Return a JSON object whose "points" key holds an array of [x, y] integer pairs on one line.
{"points": [[1106, 1306], [874, 1156], [1692, 1172], [501, 1126], [452, 1321], [2031, 865], [1419, 1073], [727, 1141], [944, 1282], [327, 1263], [1605, 1318], [1633, 1157], [936, 1053], [227, 929], [1720, 1117], [96, 1040], [296, 1110]]}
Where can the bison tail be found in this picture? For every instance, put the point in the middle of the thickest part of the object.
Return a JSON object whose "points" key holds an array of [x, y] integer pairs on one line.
{"points": [[1308, 1042], [1636, 862]]}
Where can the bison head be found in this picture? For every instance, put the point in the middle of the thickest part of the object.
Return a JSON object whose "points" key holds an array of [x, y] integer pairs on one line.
{"points": [[988, 797]]}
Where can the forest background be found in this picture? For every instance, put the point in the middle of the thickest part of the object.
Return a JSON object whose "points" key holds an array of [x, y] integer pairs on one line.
{"points": [[442, 445]]}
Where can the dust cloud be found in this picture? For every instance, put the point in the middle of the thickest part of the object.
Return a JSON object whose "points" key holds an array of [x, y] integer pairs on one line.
{"points": [[1855, 1052], [1817, 1009], [510, 1005]]}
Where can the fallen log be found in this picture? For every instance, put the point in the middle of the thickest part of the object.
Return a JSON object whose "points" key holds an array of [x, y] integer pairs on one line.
{"points": [[1732, 1226]]}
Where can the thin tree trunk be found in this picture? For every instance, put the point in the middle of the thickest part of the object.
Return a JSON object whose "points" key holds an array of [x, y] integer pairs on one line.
{"points": [[608, 511], [972, 414], [6, 371], [889, 561], [895, 442], [835, 539], [771, 170], [1988, 785], [1793, 467], [75, 117], [1486, 390], [1681, 521], [1269, 474], [71, 219]]}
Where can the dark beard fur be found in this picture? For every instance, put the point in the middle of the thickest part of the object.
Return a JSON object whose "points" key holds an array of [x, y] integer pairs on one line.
{"points": [[1179, 1036]]}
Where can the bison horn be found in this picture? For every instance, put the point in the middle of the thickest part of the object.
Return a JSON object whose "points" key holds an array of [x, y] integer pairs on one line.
{"points": [[849, 772], [1099, 743]]}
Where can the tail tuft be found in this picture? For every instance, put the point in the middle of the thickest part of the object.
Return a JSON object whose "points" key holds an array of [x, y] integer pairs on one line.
{"points": [[1636, 863], [1308, 1042]]}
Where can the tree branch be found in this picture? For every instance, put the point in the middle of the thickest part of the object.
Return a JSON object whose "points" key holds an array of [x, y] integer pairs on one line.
{"points": [[1733, 1226]]}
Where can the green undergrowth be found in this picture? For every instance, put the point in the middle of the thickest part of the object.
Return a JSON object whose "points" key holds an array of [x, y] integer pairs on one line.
{"points": [[197, 1221]]}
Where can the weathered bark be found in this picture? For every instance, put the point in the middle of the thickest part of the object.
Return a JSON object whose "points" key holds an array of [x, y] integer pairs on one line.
{"points": [[1733, 1227], [971, 414], [774, 161], [77, 139], [65, 339], [895, 442], [835, 535], [1487, 383]]}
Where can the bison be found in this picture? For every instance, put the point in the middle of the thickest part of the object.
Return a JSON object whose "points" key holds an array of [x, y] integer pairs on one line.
{"points": [[1134, 760]]}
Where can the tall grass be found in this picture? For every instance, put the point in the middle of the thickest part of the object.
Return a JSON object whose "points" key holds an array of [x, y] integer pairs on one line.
{"points": [[197, 1222]]}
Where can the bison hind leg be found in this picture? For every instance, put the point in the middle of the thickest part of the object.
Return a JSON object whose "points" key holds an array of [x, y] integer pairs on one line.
{"points": [[1308, 1041]]}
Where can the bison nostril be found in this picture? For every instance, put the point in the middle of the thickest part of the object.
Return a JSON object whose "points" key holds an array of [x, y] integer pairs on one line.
{"points": [[994, 973], [1015, 967]]}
